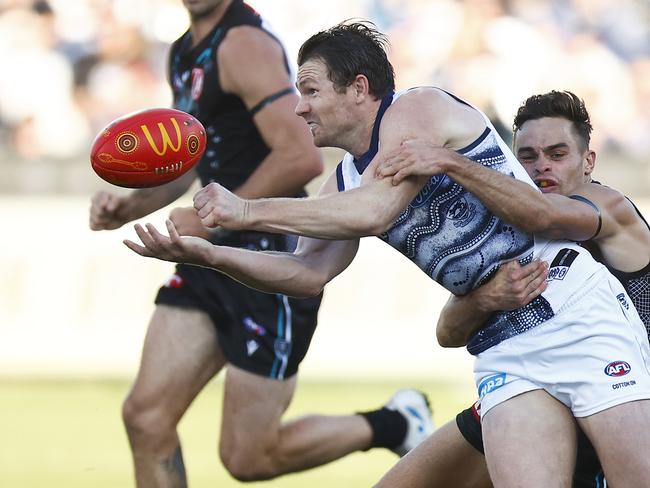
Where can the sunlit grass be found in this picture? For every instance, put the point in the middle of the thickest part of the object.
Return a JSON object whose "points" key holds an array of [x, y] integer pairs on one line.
{"points": [[68, 433]]}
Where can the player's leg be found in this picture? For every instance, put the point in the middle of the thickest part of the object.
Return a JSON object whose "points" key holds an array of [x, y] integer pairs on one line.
{"points": [[530, 439], [445, 459], [263, 357], [180, 355], [256, 444], [620, 436]]}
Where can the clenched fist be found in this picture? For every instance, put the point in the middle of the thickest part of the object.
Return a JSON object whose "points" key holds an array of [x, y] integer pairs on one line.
{"points": [[217, 206]]}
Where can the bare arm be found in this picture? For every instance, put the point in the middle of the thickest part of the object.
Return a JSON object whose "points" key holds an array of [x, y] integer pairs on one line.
{"points": [[624, 239], [110, 211], [554, 216], [251, 66], [302, 273], [512, 287], [367, 210]]}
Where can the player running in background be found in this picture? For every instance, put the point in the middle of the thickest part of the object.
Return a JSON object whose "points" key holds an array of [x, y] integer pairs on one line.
{"points": [[231, 73], [346, 86], [552, 133]]}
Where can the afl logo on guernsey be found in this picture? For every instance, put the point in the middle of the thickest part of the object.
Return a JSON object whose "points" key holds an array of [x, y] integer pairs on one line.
{"points": [[617, 368]]}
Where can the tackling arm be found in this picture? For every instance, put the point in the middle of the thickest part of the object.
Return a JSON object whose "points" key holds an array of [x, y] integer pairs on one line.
{"points": [[513, 286], [514, 201]]}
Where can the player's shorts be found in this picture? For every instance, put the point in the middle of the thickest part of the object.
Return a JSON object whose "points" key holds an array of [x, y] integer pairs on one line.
{"points": [[588, 472], [592, 355], [262, 333]]}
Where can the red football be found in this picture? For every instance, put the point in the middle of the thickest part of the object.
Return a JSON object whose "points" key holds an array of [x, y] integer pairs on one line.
{"points": [[148, 148]]}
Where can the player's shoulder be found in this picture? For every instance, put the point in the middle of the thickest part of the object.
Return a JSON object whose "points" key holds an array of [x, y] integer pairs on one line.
{"points": [[609, 200], [430, 112], [599, 194], [411, 108], [248, 41], [420, 98]]}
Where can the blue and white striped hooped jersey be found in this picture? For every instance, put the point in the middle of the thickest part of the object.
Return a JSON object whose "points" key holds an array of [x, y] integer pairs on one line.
{"points": [[450, 235]]}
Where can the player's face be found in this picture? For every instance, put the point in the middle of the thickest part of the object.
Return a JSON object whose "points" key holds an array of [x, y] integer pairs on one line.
{"points": [[325, 110], [552, 154], [201, 8]]}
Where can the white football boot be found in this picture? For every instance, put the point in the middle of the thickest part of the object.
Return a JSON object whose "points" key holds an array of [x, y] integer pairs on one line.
{"points": [[414, 406]]}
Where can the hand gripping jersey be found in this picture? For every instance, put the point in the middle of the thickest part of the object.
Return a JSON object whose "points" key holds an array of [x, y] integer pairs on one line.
{"points": [[450, 235]]}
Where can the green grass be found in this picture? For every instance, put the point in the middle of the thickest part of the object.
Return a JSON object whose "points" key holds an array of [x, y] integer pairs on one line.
{"points": [[68, 433]]}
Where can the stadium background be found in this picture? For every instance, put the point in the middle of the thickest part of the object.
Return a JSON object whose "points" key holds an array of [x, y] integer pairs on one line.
{"points": [[74, 304]]}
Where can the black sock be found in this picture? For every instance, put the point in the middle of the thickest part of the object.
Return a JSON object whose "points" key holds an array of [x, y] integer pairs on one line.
{"points": [[388, 427]]}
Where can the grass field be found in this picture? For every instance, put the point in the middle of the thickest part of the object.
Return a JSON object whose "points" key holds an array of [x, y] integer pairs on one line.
{"points": [[68, 433]]}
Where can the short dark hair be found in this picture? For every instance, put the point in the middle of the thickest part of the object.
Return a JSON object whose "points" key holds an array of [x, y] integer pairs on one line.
{"points": [[349, 49], [563, 104]]}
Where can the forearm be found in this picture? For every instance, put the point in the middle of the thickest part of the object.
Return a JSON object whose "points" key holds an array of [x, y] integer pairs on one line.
{"points": [[365, 211], [145, 201], [270, 272], [459, 319], [515, 202]]}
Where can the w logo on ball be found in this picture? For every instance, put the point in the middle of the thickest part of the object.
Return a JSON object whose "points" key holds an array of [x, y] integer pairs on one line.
{"points": [[164, 136]]}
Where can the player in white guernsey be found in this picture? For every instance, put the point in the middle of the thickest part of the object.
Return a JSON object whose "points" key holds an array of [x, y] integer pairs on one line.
{"points": [[552, 134], [346, 87]]}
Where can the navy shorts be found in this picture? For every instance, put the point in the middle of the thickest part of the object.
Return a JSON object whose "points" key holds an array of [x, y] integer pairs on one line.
{"points": [[263, 333], [588, 471]]}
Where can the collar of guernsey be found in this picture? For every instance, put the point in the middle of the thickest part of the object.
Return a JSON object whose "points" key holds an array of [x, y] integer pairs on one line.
{"points": [[364, 160]]}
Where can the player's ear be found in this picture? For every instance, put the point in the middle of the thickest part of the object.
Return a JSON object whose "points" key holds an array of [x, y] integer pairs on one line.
{"points": [[590, 161], [361, 87]]}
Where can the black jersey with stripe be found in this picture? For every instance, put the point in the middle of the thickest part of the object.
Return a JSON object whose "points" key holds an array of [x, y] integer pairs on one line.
{"points": [[235, 147]]}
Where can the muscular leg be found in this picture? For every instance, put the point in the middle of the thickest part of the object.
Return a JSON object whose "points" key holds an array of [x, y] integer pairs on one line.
{"points": [[445, 459], [530, 442], [620, 436], [256, 444], [180, 355]]}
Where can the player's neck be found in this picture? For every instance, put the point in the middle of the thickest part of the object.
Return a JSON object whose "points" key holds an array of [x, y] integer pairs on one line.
{"points": [[201, 26], [360, 138]]}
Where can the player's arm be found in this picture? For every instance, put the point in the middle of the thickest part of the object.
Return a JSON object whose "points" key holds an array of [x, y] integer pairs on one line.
{"points": [[513, 286], [252, 66], [623, 239], [554, 216], [301, 273], [368, 210], [110, 211]]}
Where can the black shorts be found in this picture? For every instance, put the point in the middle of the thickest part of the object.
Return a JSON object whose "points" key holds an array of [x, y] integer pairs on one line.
{"points": [[263, 333], [588, 471]]}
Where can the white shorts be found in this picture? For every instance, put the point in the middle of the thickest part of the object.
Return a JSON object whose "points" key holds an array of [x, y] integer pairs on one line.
{"points": [[591, 356]]}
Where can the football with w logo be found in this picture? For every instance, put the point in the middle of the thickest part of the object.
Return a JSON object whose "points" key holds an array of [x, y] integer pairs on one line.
{"points": [[148, 148]]}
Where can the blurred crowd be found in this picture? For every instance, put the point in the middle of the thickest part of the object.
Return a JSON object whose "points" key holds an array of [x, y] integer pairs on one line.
{"points": [[68, 67]]}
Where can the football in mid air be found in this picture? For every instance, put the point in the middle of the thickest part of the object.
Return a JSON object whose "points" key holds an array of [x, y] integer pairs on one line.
{"points": [[148, 148]]}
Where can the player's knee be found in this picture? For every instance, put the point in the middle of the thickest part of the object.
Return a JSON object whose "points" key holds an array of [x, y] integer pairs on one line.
{"points": [[249, 465], [143, 422]]}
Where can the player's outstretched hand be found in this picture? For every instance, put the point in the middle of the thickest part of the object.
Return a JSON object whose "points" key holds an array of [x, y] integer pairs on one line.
{"points": [[414, 157], [104, 211], [216, 206], [189, 250]]}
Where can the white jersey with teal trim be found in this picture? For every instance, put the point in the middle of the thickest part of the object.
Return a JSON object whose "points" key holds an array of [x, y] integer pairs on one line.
{"points": [[450, 235]]}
